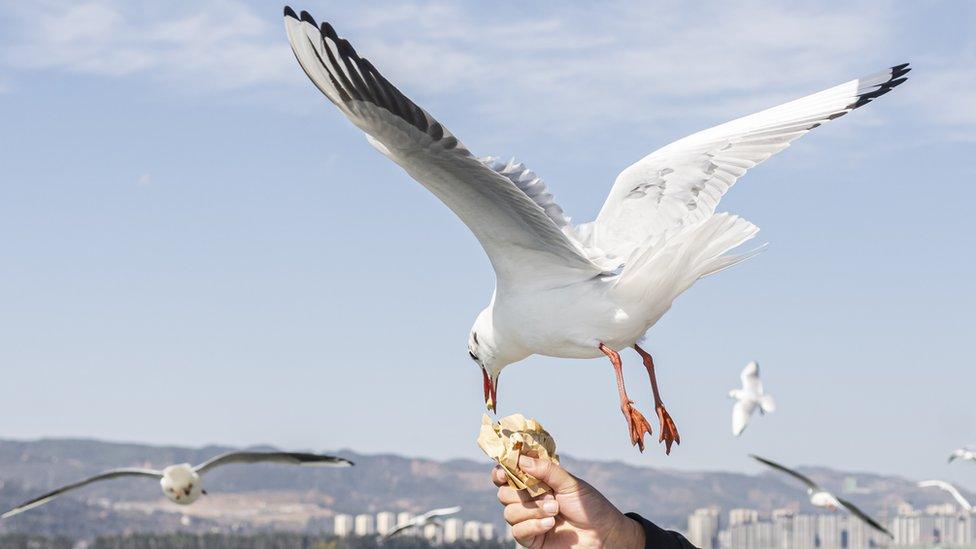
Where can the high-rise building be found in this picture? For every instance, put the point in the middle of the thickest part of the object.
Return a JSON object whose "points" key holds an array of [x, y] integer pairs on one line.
{"points": [[472, 530], [432, 533], [703, 528], [487, 531], [453, 530], [831, 531], [342, 526], [804, 533], [365, 525], [743, 516], [385, 522]]}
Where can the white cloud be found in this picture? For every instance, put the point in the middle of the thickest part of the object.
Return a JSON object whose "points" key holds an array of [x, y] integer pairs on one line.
{"points": [[575, 69]]}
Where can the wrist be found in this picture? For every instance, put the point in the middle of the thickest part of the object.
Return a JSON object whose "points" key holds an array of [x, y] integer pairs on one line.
{"points": [[627, 533]]}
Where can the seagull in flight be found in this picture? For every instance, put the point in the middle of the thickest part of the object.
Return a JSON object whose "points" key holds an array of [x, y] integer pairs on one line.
{"points": [[963, 502], [822, 498], [585, 291], [748, 398], [966, 453], [430, 517], [181, 483]]}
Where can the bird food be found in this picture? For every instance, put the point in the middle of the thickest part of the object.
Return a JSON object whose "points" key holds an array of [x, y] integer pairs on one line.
{"points": [[515, 436]]}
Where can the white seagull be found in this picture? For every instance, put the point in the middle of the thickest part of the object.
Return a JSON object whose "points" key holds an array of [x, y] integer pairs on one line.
{"points": [[965, 453], [430, 517], [822, 498], [594, 289], [181, 483], [748, 398], [948, 488]]}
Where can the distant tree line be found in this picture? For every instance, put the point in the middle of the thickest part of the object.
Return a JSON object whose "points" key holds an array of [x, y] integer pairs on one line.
{"points": [[273, 540]]}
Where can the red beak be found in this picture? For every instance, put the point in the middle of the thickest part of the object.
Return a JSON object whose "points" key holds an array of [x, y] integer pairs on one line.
{"points": [[491, 392]]}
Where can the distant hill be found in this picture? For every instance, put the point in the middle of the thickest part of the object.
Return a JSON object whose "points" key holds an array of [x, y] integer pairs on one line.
{"points": [[245, 499]]}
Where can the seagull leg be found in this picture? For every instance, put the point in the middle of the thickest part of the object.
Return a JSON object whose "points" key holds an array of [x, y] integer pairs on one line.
{"points": [[636, 422], [669, 432]]}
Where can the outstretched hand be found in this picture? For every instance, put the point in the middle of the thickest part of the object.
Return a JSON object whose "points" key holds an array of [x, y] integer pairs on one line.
{"points": [[574, 514]]}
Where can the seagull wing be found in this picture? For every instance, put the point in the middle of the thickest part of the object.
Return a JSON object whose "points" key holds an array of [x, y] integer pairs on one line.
{"points": [[750, 378], [682, 183], [114, 473], [805, 480], [400, 528], [948, 488], [288, 458], [741, 412], [508, 208], [441, 512], [861, 515]]}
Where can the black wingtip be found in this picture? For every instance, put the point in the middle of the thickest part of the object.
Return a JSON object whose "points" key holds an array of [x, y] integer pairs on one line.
{"points": [[307, 17], [900, 70], [290, 12]]}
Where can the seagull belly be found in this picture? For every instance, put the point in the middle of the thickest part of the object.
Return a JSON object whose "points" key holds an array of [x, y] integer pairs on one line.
{"points": [[569, 322]]}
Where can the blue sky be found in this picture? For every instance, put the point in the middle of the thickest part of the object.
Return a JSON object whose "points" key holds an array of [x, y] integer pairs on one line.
{"points": [[198, 248]]}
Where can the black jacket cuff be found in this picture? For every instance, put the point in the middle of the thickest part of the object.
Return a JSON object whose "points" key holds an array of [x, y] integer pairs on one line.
{"points": [[657, 538]]}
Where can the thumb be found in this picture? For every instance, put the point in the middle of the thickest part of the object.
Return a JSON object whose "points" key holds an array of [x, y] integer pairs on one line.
{"points": [[548, 472]]}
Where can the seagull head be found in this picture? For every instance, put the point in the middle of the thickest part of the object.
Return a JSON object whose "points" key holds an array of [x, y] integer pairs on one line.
{"points": [[483, 351], [181, 484]]}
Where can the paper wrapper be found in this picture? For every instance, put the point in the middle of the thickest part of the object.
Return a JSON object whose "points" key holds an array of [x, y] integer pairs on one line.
{"points": [[515, 436]]}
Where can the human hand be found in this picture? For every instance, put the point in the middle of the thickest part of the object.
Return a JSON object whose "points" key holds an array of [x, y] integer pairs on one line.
{"points": [[574, 514]]}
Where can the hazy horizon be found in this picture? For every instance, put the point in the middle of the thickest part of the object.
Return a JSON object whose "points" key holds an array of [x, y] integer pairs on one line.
{"points": [[200, 249]]}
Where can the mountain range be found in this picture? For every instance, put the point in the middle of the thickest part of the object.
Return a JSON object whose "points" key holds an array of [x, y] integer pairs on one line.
{"points": [[256, 498]]}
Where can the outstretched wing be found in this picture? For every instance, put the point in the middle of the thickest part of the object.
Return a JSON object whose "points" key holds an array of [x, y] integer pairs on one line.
{"points": [[805, 480], [400, 528], [287, 458], [948, 488], [443, 512], [114, 473], [682, 183], [510, 211], [863, 516]]}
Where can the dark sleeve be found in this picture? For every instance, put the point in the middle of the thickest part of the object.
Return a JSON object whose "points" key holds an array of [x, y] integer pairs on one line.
{"points": [[657, 538]]}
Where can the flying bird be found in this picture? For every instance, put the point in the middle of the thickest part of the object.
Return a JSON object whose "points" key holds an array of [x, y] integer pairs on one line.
{"points": [[430, 517], [181, 483], [965, 453], [822, 498], [963, 502], [591, 290], [748, 398]]}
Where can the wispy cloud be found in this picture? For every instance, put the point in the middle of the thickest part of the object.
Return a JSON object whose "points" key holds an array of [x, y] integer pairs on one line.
{"points": [[211, 46], [575, 69]]}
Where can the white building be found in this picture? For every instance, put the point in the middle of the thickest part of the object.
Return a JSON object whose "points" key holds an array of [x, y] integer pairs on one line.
{"points": [[342, 526], [703, 528], [432, 533], [453, 530], [365, 525], [385, 522], [487, 531], [404, 517], [472, 530], [743, 516]]}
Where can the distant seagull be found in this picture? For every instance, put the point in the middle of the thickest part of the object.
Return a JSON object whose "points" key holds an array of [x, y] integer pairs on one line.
{"points": [[965, 453], [595, 289], [948, 488], [748, 398], [181, 483], [419, 521], [822, 498]]}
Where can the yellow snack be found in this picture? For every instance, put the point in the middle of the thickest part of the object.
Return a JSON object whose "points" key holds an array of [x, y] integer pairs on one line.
{"points": [[515, 436]]}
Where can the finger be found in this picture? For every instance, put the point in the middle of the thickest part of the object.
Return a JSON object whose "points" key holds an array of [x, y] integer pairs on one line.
{"points": [[548, 472], [526, 532], [521, 512], [498, 476], [507, 495]]}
